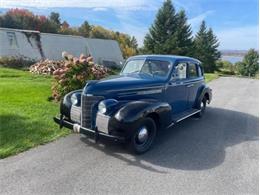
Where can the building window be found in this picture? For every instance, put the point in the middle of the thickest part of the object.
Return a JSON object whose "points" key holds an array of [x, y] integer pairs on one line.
{"points": [[12, 40]]}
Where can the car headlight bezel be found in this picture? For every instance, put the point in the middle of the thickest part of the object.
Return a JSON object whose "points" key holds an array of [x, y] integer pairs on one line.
{"points": [[74, 99], [105, 105], [102, 107]]}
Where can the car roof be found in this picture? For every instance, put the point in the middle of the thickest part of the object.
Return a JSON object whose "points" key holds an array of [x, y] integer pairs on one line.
{"points": [[165, 57]]}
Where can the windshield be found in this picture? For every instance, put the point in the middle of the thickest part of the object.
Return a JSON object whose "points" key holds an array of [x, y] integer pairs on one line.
{"points": [[151, 67]]}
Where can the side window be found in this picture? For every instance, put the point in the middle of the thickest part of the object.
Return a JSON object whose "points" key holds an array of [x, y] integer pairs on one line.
{"points": [[181, 71], [193, 70], [12, 40]]}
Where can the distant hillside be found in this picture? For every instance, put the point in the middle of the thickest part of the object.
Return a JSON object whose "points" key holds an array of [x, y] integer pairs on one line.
{"points": [[240, 53]]}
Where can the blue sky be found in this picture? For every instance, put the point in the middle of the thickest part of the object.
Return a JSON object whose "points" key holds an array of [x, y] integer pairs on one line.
{"points": [[235, 22]]}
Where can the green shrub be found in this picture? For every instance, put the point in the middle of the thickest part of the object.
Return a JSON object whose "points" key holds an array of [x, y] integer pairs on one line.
{"points": [[16, 62], [226, 67]]}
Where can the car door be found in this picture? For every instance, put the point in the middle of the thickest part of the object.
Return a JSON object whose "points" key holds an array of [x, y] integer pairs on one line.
{"points": [[176, 91], [195, 80]]}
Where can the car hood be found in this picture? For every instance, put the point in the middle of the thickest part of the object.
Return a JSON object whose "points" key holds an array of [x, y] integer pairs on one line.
{"points": [[121, 83]]}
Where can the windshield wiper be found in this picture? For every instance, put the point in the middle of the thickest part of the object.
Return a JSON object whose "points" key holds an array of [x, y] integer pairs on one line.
{"points": [[137, 71]]}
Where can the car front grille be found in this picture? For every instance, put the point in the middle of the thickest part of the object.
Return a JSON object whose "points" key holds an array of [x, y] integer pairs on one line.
{"points": [[89, 110], [75, 114]]}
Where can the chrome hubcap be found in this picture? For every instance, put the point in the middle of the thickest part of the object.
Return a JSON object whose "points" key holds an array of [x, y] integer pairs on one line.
{"points": [[201, 104], [142, 135]]}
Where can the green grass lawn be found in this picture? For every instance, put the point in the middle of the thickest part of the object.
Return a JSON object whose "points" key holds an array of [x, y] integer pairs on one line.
{"points": [[211, 76], [25, 112]]}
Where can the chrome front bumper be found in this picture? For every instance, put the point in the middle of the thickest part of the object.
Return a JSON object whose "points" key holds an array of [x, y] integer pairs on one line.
{"points": [[79, 129]]}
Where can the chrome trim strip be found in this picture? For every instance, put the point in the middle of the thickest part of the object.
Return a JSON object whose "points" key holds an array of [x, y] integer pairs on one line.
{"points": [[144, 91], [147, 92], [187, 116], [138, 88], [194, 82], [170, 125], [173, 84]]}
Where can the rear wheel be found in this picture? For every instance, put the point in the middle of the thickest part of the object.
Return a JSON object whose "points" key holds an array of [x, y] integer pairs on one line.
{"points": [[143, 136], [202, 107]]}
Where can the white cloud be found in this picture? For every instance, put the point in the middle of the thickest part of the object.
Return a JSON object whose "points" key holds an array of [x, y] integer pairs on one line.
{"points": [[114, 4], [100, 9], [196, 21], [131, 25], [239, 38]]}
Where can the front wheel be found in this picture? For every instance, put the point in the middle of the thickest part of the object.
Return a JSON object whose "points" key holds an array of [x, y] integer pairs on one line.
{"points": [[202, 107], [143, 136]]}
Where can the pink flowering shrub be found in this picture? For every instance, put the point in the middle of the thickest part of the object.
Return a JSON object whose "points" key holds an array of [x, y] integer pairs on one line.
{"points": [[74, 74]]}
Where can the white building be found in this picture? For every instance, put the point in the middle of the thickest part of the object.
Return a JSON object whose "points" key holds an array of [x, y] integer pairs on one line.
{"points": [[36, 45]]}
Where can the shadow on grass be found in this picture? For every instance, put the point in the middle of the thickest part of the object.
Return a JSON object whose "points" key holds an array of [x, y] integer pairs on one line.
{"points": [[18, 133], [194, 144]]}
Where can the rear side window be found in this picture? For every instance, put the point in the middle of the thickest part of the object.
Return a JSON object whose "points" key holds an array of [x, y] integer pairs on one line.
{"points": [[192, 70]]}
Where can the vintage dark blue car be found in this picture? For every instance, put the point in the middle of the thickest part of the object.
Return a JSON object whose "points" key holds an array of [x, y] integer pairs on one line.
{"points": [[152, 92]]}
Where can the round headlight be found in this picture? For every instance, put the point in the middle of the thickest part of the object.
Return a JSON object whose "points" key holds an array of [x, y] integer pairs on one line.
{"points": [[74, 99], [102, 107], [106, 106]]}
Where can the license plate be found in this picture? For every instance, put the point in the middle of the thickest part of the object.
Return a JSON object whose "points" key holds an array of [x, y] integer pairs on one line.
{"points": [[102, 122]]}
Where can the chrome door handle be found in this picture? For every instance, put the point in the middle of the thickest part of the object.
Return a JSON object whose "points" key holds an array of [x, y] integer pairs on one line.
{"points": [[191, 85]]}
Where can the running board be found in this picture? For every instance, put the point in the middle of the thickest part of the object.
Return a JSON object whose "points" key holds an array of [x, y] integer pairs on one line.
{"points": [[184, 115]]}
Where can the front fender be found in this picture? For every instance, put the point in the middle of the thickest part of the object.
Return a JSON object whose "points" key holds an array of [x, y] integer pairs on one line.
{"points": [[135, 110], [65, 104]]}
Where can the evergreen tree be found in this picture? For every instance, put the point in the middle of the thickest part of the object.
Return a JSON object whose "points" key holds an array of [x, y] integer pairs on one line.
{"points": [[157, 40], [170, 33], [183, 36], [85, 29], [55, 18], [214, 44], [133, 43], [205, 48], [250, 64]]}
